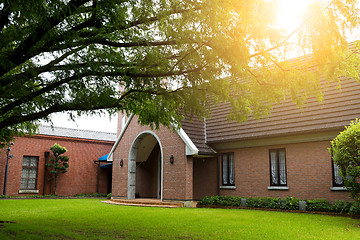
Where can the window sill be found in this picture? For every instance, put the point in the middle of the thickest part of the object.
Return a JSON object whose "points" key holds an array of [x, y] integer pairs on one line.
{"points": [[28, 191], [278, 188], [228, 187], [338, 189]]}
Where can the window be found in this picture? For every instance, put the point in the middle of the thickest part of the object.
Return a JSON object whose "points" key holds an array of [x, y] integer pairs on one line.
{"points": [[29, 173], [228, 169], [337, 178], [277, 167]]}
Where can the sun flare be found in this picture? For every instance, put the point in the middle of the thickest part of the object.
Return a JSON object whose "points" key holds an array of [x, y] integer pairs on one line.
{"points": [[290, 13]]}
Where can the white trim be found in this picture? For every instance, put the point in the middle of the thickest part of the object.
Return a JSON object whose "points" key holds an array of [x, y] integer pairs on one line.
{"points": [[28, 191], [338, 189], [228, 187], [278, 188], [110, 158], [191, 149]]}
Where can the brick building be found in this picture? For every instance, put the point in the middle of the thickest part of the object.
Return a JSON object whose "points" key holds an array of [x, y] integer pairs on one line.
{"points": [[283, 155], [26, 170]]}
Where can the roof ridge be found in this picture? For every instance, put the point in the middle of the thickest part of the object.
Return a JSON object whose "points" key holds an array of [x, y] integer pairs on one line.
{"points": [[76, 129]]}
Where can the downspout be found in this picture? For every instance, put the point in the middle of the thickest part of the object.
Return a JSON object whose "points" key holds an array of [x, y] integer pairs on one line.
{"points": [[98, 178], [46, 154], [218, 174], [97, 162]]}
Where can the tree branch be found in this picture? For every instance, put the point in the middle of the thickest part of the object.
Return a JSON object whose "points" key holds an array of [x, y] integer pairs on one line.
{"points": [[34, 72], [22, 53], [56, 84], [106, 42], [4, 14], [53, 109]]}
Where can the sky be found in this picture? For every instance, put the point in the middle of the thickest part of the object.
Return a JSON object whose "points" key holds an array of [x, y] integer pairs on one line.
{"points": [[95, 123]]}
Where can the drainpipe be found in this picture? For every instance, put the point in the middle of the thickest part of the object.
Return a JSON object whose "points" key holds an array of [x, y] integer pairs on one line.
{"points": [[97, 162], [46, 154], [218, 173]]}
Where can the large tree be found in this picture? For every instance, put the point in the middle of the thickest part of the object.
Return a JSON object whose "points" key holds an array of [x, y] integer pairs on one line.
{"points": [[160, 59]]}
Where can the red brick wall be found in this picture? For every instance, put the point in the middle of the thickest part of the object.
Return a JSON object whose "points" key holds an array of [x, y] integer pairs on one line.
{"points": [[176, 177], [147, 175], [309, 172], [82, 173], [205, 177]]}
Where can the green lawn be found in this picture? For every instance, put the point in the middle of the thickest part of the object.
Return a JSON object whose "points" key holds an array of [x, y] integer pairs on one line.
{"points": [[91, 219]]}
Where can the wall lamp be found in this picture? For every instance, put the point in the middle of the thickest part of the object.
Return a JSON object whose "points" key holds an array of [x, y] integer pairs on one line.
{"points": [[121, 163], [172, 159]]}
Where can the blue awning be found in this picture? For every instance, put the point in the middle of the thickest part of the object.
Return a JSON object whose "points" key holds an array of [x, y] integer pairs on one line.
{"points": [[109, 165], [104, 158]]}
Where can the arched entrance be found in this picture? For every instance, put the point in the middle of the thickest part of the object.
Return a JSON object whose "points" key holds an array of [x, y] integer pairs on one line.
{"points": [[145, 167]]}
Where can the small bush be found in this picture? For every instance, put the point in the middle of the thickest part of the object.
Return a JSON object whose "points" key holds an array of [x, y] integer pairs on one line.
{"points": [[109, 196], [289, 203], [318, 205], [101, 195], [355, 208], [341, 207]]}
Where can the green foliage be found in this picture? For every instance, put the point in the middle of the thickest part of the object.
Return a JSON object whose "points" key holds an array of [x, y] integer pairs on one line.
{"points": [[97, 195], [58, 164], [355, 209], [289, 203], [318, 205], [221, 200], [109, 196], [345, 150], [342, 207], [182, 56]]}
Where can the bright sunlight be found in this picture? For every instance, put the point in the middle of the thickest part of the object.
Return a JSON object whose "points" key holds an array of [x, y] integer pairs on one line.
{"points": [[290, 13]]}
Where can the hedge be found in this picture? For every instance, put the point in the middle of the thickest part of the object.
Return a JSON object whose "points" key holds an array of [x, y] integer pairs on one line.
{"points": [[289, 203]]}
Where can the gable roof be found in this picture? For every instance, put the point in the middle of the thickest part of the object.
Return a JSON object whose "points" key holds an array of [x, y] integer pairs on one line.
{"points": [[338, 108], [76, 133], [196, 130]]}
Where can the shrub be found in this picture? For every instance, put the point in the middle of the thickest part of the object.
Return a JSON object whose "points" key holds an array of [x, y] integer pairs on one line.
{"points": [[355, 209], [318, 205], [109, 196], [345, 152], [289, 203], [91, 195], [341, 207]]}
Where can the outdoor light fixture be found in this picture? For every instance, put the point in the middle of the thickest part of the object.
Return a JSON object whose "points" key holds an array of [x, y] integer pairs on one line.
{"points": [[121, 163], [8, 156], [171, 159]]}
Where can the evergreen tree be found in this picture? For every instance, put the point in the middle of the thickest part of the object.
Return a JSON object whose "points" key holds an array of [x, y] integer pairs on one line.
{"points": [[58, 164]]}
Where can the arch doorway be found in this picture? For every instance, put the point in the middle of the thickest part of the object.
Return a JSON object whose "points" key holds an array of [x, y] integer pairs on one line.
{"points": [[145, 167]]}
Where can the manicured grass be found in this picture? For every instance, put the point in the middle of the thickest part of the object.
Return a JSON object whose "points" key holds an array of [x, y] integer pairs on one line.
{"points": [[91, 219]]}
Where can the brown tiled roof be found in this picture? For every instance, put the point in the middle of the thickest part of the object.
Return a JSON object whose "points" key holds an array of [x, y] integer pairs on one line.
{"points": [[336, 111], [195, 129]]}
